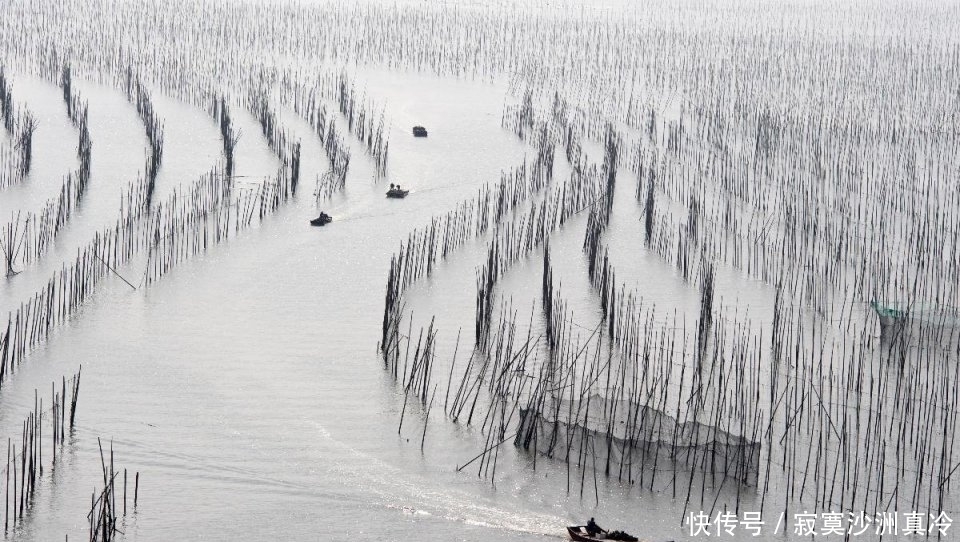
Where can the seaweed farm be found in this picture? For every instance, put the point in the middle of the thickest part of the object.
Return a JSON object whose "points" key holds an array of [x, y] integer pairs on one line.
{"points": [[394, 270]]}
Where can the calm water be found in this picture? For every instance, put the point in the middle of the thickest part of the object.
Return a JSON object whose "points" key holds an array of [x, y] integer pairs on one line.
{"points": [[245, 386]]}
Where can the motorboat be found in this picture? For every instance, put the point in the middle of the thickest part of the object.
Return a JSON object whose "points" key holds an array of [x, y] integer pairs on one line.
{"points": [[397, 192], [579, 533], [321, 220]]}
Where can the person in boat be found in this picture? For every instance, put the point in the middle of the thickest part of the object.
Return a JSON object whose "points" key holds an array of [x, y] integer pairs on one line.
{"points": [[324, 218], [391, 187], [593, 529]]}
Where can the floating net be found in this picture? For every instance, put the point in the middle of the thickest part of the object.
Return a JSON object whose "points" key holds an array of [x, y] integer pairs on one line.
{"points": [[623, 437], [919, 323]]}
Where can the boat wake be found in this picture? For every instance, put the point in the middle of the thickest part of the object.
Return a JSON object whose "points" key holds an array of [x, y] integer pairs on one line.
{"points": [[397, 489]]}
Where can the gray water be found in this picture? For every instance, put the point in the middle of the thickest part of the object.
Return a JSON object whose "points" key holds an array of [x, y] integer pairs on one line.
{"points": [[245, 386]]}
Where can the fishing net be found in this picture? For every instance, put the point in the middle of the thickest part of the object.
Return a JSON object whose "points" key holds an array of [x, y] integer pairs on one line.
{"points": [[919, 324], [622, 436]]}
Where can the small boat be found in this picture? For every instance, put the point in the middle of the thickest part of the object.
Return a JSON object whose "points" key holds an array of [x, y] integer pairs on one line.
{"points": [[579, 533], [321, 220], [419, 131], [397, 193]]}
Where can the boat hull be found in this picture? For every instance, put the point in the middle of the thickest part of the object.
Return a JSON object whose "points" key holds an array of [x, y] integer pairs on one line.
{"points": [[580, 536]]}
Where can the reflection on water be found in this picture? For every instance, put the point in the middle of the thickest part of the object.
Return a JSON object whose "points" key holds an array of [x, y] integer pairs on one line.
{"points": [[245, 386]]}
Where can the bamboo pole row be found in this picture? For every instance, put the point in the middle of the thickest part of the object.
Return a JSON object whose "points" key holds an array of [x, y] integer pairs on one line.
{"points": [[363, 122], [139, 96], [309, 104], [104, 510], [20, 127], [28, 236], [471, 218], [25, 466]]}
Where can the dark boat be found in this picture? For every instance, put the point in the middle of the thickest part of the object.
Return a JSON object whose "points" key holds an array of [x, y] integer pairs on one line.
{"points": [[397, 193], [419, 131], [579, 533], [321, 220]]}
